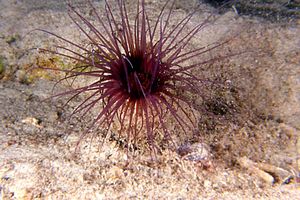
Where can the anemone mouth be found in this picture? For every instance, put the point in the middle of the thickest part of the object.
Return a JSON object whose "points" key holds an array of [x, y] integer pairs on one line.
{"points": [[139, 75]]}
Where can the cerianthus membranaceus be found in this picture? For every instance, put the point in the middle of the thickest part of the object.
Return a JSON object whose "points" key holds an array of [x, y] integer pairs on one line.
{"points": [[141, 71]]}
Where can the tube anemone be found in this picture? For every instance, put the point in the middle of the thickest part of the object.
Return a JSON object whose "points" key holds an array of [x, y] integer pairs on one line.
{"points": [[141, 71]]}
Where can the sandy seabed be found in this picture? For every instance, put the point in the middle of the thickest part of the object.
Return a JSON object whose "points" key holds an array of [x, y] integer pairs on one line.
{"points": [[255, 160]]}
